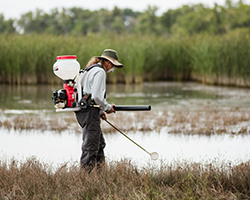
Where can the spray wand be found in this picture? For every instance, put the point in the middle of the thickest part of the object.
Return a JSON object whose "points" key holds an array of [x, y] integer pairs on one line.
{"points": [[153, 155]]}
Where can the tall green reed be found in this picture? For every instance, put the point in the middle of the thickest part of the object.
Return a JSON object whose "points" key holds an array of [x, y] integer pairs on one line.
{"points": [[205, 53], [222, 59], [167, 59]]}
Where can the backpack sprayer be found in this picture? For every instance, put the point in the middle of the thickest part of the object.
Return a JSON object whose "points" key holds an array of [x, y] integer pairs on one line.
{"points": [[66, 68], [71, 99]]}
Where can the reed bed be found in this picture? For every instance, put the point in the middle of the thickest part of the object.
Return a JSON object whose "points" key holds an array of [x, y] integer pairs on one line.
{"points": [[222, 59], [202, 120], [32, 179]]}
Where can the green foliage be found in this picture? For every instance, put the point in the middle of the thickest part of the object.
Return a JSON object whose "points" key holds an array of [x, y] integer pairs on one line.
{"points": [[6, 26], [186, 20]]}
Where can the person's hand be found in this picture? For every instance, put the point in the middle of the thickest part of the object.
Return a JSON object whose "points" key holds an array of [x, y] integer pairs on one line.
{"points": [[112, 110], [103, 116]]}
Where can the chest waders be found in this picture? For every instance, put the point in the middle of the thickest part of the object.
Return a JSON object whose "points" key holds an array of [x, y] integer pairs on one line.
{"points": [[93, 141]]}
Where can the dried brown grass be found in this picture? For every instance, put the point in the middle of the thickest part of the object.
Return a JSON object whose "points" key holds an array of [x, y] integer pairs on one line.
{"points": [[208, 120], [32, 179]]}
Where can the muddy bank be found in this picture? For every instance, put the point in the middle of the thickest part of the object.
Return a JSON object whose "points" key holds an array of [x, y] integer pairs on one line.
{"points": [[201, 120], [243, 82]]}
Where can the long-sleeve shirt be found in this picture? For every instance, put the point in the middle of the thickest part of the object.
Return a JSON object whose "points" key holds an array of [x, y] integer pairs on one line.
{"points": [[94, 82]]}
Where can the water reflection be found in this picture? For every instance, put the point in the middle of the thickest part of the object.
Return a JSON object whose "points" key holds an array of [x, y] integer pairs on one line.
{"points": [[184, 95], [65, 147]]}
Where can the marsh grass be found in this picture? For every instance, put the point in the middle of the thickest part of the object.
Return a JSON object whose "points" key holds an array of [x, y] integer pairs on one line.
{"points": [[224, 59], [221, 60], [32, 179]]}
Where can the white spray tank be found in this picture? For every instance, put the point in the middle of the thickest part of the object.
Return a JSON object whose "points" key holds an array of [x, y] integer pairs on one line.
{"points": [[67, 68]]}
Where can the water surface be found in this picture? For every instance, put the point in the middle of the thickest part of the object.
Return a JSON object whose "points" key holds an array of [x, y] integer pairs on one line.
{"points": [[56, 148], [60, 148]]}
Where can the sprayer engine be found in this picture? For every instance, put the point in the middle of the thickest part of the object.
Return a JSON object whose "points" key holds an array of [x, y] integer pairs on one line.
{"points": [[65, 98], [59, 98]]}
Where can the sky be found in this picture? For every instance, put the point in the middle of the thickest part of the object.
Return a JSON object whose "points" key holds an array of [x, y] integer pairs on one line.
{"points": [[15, 8]]}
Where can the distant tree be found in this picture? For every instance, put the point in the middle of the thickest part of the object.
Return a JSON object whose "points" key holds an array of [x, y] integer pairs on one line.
{"points": [[194, 19], [219, 14], [186, 20], [240, 17], [65, 21], [229, 4], [116, 12], [130, 19], [148, 22], [34, 22], [200, 20], [169, 19], [241, 2], [81, 21], [117, 20], [6, 26], [118, 25], [53, 25]]}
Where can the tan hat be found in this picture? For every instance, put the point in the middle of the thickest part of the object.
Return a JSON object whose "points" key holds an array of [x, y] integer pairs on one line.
{"points": [[112, 56]]}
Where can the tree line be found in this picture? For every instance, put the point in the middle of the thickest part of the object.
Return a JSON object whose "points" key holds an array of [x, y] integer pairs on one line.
{"points": [[186, 20]]}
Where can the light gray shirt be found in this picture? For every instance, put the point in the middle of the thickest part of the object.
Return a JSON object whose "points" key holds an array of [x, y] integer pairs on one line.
{"points": [[94, 82]]}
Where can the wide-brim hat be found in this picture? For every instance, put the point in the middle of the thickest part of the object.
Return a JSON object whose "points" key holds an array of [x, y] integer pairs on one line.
{"points": [[112, 56]]}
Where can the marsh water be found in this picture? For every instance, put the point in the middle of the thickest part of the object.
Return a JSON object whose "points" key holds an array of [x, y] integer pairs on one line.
{"points": [[65, 146]]}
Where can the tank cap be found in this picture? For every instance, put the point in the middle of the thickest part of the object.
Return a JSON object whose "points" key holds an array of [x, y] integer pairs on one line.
{"points": [[66, 57]]}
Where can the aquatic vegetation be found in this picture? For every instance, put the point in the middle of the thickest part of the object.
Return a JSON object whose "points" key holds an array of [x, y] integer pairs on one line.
{"points": [[219, 60], [203, 120]]}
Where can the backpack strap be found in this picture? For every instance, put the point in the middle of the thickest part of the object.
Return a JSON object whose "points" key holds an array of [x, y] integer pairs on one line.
{"points": [[89, 68], [92, 66], [87, 98]]}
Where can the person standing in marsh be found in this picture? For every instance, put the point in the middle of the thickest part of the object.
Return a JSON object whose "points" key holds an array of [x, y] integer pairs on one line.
{"points": [[93, 87]]}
